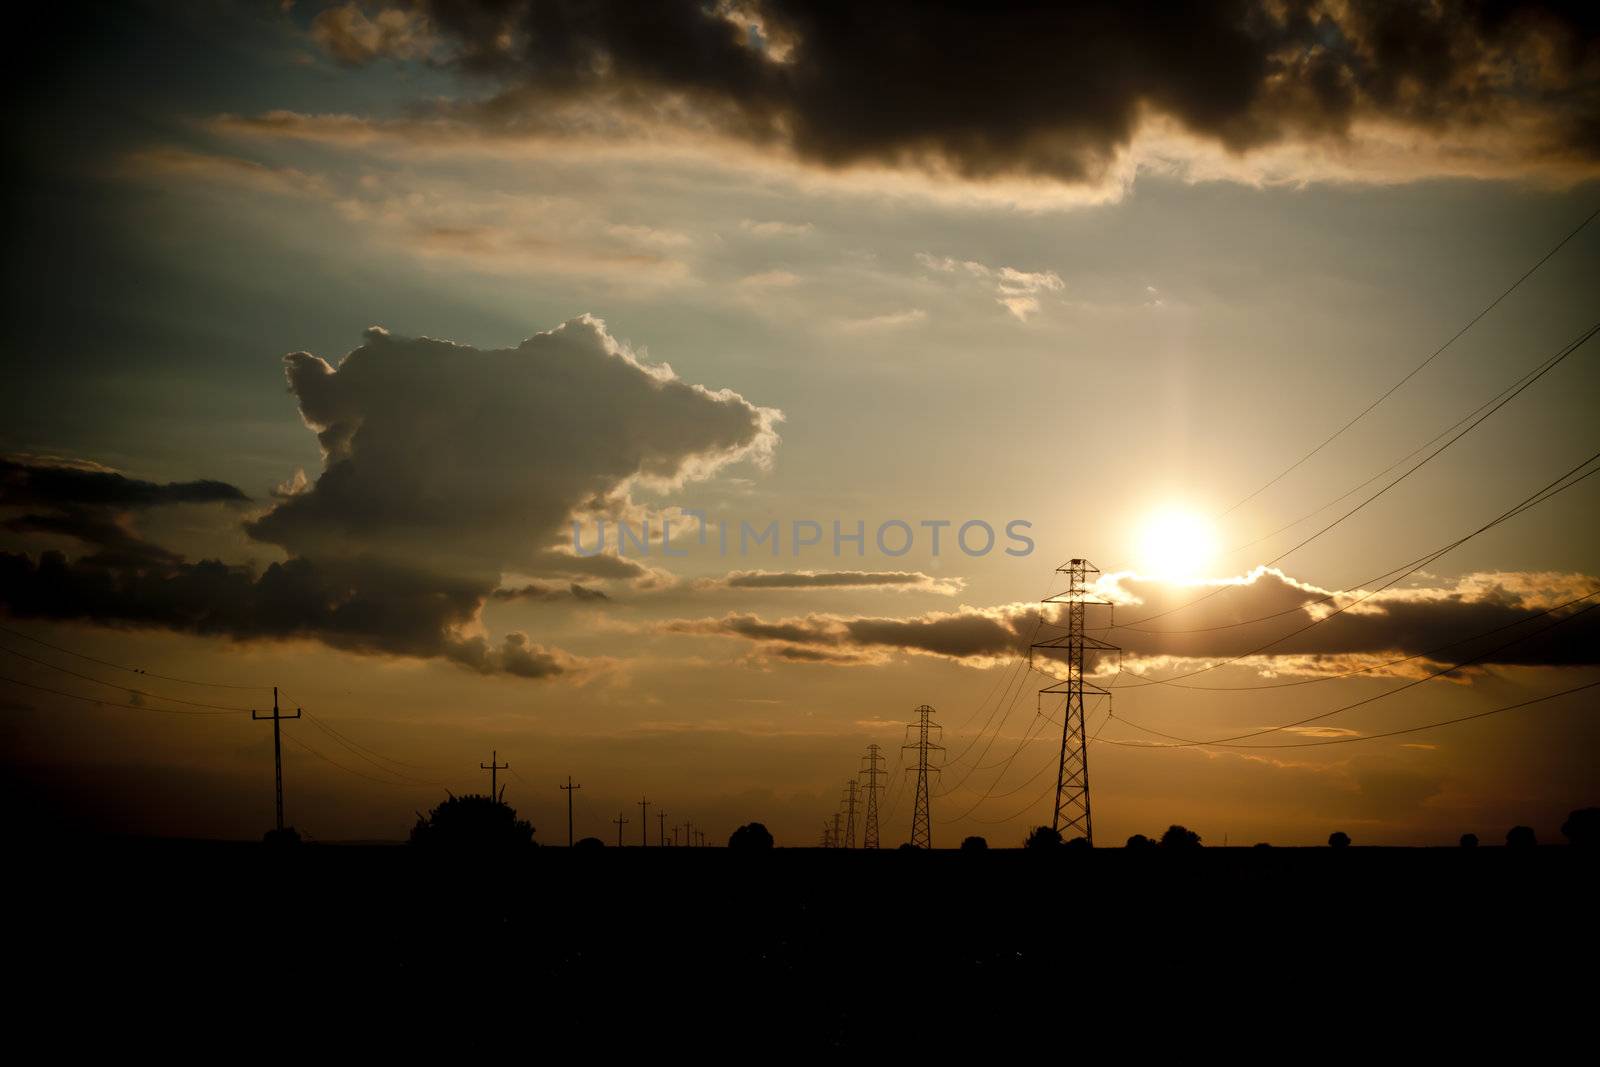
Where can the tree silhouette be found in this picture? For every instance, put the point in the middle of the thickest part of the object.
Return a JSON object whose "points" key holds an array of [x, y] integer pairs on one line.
{"points": [[1180, 837], [1338, 839], [1583, 827], [1521, 837], [1139, 841], [974, 844], [472, 821], [1043, 837], [750, 836], [1469, 840]]}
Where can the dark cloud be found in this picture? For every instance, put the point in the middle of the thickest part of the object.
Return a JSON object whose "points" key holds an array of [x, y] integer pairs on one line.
{"points": [[538, 591], [1026, 88], [42, 481], [1445, 621], [444, 468]]}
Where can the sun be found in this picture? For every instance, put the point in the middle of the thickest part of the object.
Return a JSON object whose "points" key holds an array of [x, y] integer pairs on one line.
{"points": [[1176, 544]]}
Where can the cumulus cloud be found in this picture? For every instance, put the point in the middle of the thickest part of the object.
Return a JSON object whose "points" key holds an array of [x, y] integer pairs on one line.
{"points": [[444, 468], [1053, 91]]}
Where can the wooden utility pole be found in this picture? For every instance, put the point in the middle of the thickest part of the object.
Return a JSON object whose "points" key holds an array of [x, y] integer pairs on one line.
{"points": [[661, 821], [621, 822], [494, 767], [277, 749], [568, 788], [644, 822]]}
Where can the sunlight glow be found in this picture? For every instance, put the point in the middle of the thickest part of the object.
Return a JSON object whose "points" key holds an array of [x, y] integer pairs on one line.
{"points": [[1176, 544]]}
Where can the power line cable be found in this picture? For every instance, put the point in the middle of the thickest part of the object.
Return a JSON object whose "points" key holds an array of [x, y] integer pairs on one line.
{"points": [[1418, 368]]}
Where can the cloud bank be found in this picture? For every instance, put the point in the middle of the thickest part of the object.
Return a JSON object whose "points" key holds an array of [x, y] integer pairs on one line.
{"points": [[1020, 89]]}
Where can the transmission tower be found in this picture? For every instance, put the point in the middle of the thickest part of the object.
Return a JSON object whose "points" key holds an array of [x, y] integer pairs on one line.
{"points": [[923, 729], [1072, 815], [834, 831], [869, 836], [850, 813]]}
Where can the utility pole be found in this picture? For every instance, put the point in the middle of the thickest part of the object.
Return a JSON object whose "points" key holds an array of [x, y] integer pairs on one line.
{"points": [[644, 822], [568, 788], [674, 836], [1072, 815], [621, 822], [850, 814], [688, 835], [494, 767], [924, 728], [277, 749], [869, 838], [661, 822], [835, 829]]}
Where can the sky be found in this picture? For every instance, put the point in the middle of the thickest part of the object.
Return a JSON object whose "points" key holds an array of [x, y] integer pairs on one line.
{"points": [[338, 336]]}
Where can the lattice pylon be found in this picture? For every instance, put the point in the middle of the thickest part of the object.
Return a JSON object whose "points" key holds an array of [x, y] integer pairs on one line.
{"points": [[1073, 816]]}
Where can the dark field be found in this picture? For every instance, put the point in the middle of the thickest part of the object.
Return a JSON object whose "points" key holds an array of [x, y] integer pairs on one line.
{"points": [[809, 950]]}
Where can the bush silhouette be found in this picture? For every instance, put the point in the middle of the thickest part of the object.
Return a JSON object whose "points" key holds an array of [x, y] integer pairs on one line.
{"points": [[1583, 827], [1043, 837], [1521, 837], [751, 835], [589, 843], [1469, 840], [1139, 841], [1079, 842], [472, 821], [280, 838], [1338, 839], [908, 845], [974, 844], [1180, 837]]}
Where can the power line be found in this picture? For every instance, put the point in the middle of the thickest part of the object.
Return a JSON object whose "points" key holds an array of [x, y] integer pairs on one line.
{"points": [[131, 670], [1507, 396], [1418, 368], [118, 685], [1184, 742], [111, 703], [1535, 499], [1393, 733]]}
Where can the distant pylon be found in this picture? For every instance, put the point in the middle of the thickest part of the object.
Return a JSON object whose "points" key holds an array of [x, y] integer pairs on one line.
{"points": [[661, 822], [850, 813], [1072, 816], [924, 727], [620, 822], [869, 769], [835, 838]]}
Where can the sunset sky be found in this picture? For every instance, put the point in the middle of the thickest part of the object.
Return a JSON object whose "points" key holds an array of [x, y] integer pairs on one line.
{"points": [[326, 322]]}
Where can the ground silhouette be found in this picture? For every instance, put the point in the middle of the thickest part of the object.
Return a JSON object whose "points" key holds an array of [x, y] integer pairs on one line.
{"points": [[1583, 827], [472, 821], [1180, 837]]}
